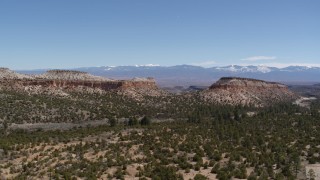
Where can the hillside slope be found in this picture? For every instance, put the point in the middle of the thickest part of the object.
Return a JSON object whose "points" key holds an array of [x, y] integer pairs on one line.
{"points": [[245, 91]]}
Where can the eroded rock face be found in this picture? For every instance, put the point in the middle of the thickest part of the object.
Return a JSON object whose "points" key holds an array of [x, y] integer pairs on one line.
{"points": [[244, 91], [69, 80]]}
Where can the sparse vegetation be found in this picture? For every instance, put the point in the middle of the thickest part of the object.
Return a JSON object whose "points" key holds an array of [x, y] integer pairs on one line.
{"points": [[204, 141], [155, 136]]}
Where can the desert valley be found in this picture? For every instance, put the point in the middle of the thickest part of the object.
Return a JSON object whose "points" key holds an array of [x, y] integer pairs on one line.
{"points": [[159, 90], [66, 124]]}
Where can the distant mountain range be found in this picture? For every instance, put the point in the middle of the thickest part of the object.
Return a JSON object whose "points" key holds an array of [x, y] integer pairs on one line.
{"points": [[187, 75]]}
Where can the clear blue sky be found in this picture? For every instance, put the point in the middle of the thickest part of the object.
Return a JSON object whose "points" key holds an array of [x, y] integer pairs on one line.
{"points": [[78, 33]]}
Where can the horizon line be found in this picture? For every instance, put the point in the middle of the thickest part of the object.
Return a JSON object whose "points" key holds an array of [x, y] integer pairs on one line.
{"points": [[279, 66]]}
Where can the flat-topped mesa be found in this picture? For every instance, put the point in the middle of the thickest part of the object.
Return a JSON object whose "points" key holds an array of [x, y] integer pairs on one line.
{"points": [[71, 75], [6, 73], [67, 79], [237, 82], [246, 91]]}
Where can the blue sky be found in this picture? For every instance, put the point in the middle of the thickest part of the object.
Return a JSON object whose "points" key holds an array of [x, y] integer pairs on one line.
{"points": [[78, 33]]}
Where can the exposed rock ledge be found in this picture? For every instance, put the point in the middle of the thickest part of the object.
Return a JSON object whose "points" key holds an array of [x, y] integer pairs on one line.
{"points": [[71, 79], [245, 91]]}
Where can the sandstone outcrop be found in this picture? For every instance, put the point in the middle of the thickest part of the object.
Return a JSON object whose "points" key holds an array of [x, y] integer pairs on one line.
{"points": [[71, 80], [245, 91]]}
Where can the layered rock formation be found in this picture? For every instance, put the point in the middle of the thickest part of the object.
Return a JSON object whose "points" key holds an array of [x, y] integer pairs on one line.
{"points": [[244, 91], [69, 80], [230, 90]]}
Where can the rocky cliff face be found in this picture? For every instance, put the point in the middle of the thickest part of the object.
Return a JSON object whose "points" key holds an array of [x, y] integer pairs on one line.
{"points": [[244, 91], [70, 80]]}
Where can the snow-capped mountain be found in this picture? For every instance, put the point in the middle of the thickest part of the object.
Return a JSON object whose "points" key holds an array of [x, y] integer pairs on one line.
{"points": [[256, 69], [185, 75]]}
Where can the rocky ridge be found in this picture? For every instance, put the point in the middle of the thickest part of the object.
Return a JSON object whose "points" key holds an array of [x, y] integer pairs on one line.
{"points": [[228, 90], [71, 76], [6, 73], [245, 91], [60, 81]]}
